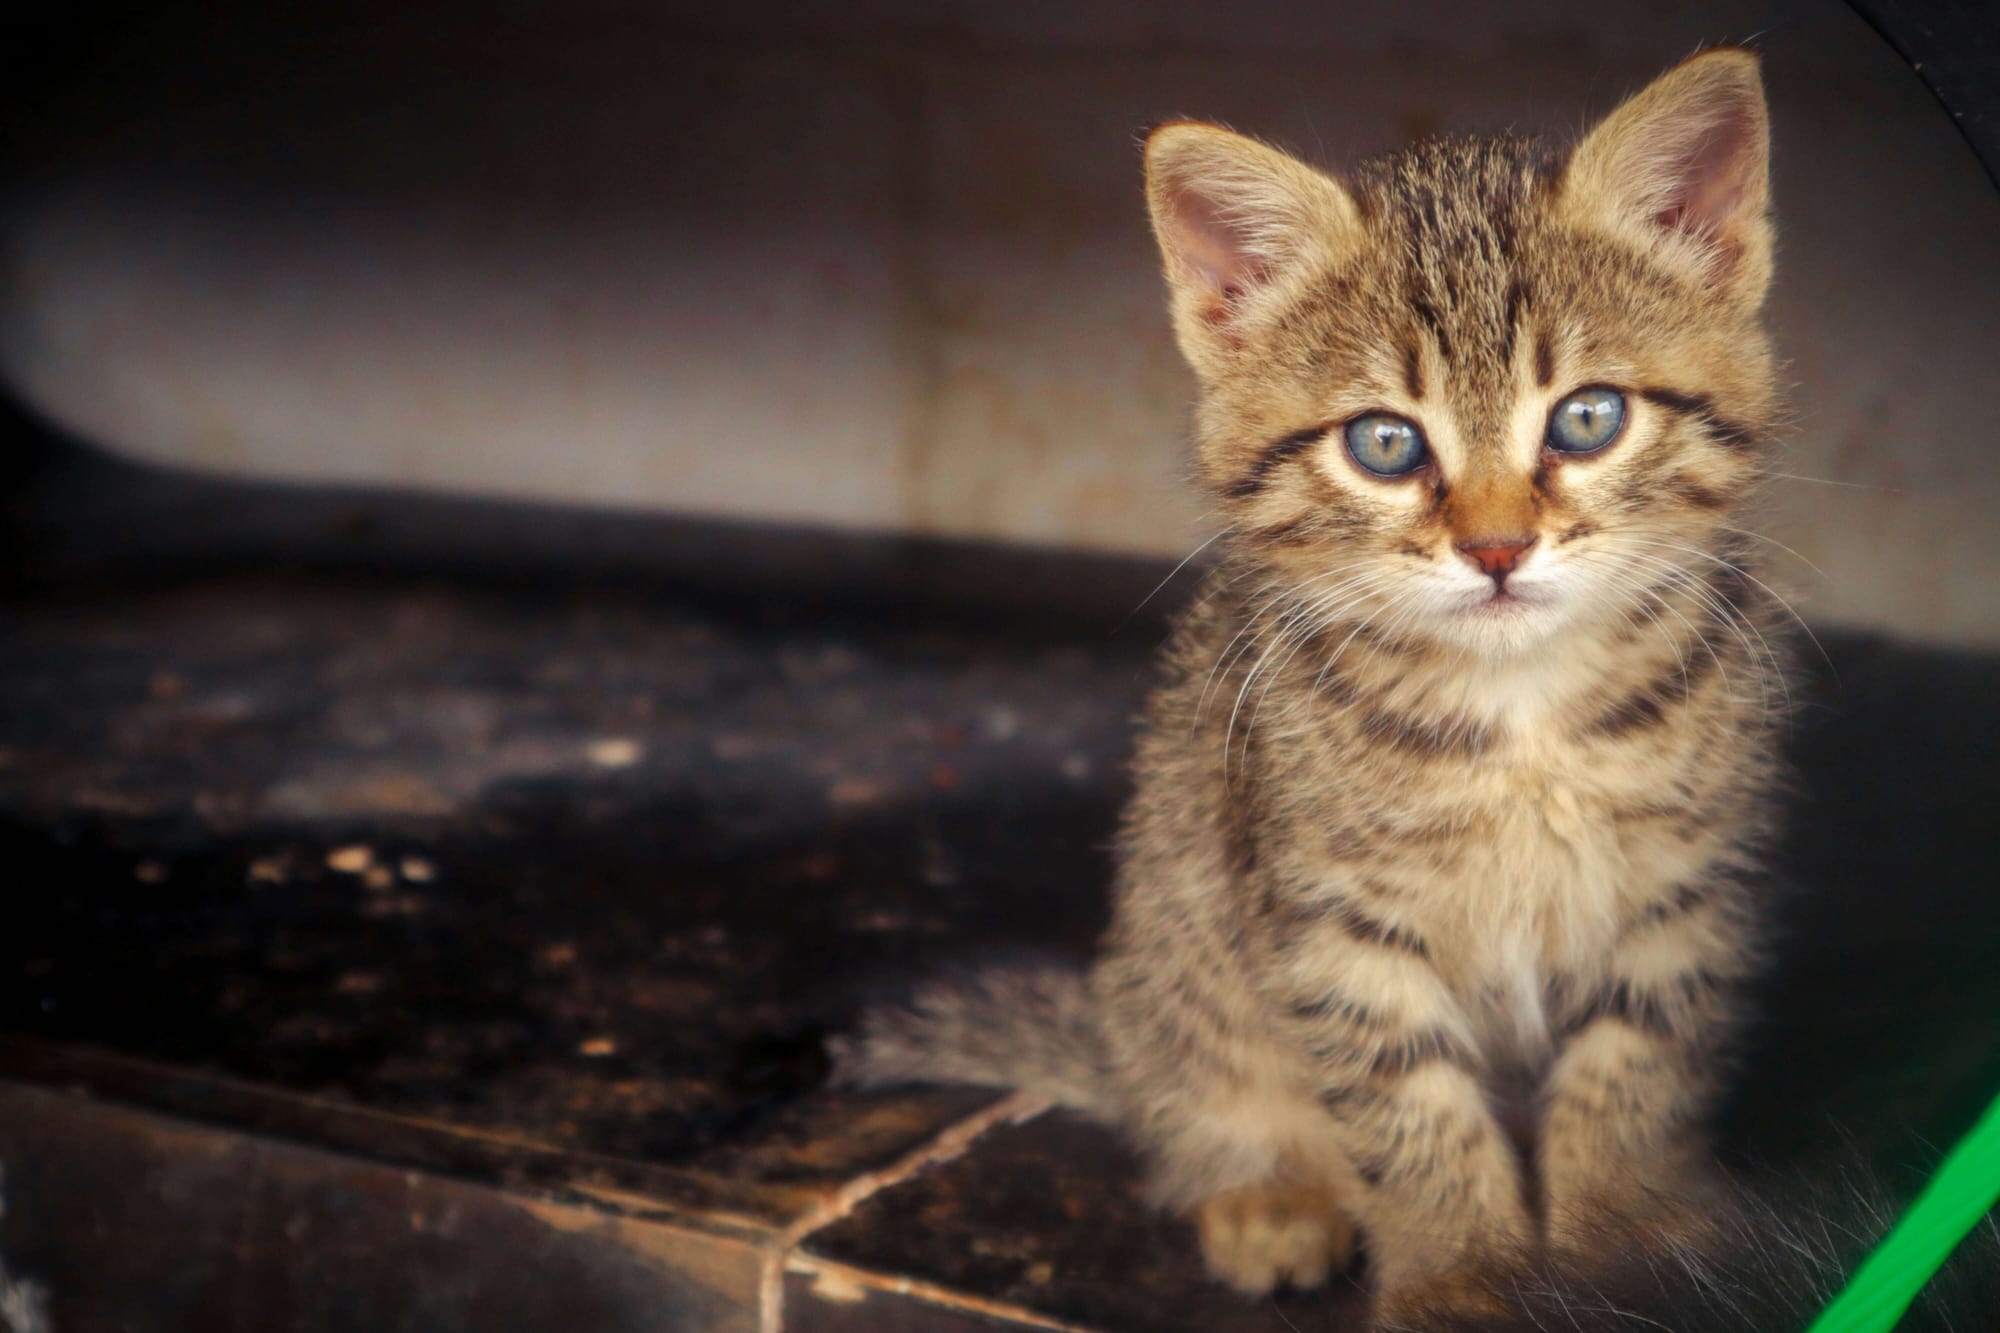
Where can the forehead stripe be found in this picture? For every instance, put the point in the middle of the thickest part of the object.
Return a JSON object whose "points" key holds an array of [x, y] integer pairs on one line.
{"points": [[1510, 319], [1428, 313]]}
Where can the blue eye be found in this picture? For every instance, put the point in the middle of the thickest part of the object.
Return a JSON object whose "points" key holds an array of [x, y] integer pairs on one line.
{"points": [[1587, 420], [1385, 445]]}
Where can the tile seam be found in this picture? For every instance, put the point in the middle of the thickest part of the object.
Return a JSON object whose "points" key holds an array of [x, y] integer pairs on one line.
{"points": [[947, 1145]]}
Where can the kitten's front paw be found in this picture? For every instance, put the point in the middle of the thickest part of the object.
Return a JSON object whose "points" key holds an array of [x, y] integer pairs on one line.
{"points": [[1258, 1237]]}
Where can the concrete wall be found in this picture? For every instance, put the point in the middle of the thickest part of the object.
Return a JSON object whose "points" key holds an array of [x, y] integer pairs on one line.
{"points": [[884, 265]]}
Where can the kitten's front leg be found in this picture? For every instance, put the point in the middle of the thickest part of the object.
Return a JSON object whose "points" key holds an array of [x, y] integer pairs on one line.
{"points": [[1621, 1137], [1444, 1207], [1620, 1142], [1442, 1204]]}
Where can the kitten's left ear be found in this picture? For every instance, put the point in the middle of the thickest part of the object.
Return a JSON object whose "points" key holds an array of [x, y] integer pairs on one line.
{"points": [[1683, 170], [1239, 224]]}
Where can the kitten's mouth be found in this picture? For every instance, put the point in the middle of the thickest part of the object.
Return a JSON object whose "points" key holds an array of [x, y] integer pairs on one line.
{"points": [[1501, 603]]}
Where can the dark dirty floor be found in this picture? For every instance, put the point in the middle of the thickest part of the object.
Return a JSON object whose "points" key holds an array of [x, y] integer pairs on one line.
{"points": [[424, 913]]}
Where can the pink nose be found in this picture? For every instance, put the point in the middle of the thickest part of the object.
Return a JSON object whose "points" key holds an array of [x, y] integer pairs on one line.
{"points": [[1496, 557]]}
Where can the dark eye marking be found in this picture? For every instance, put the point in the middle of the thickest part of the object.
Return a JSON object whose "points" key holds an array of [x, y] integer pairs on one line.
{"points": [[1413, 369], [1692, 404], [1273, 456], [1545, 359], [1701, 408]]}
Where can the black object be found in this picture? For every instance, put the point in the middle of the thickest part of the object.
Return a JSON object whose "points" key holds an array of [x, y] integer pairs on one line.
{"points": [[1954, 46]]}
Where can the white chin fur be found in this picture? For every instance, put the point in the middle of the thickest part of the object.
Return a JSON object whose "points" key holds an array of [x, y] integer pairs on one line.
{"points": [[1469, 615]]}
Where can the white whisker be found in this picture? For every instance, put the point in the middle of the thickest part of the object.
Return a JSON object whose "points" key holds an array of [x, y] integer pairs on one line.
{"points": [[1745, 532], [1769, 591], [1170, 575], [1295, 618], [1828, 481]]}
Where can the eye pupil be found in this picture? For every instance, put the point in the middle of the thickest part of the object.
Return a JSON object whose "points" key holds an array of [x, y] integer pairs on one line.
{"points": [[1587, 420], [1385, 445]]}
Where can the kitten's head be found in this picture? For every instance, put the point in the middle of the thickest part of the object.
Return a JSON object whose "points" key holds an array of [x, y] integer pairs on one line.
{"points": [[1480, 390]]}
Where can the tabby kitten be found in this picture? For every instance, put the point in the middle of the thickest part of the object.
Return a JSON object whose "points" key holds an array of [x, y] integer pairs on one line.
{"points": [[1437, 890]]}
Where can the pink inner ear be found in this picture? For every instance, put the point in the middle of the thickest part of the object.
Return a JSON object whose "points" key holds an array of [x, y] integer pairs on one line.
{"points": [[1707, 183], [1215, 250]]}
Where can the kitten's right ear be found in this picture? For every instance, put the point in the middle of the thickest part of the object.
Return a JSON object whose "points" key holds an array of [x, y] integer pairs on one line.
{"points": [[1238, 223], [1682, 170]]}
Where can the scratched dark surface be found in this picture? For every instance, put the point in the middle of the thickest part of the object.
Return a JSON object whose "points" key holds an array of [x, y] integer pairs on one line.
{"points": [[632, 957], [656, 804]]}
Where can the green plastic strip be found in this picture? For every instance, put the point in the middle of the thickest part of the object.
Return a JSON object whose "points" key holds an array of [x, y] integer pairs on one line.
{"points": [[1964, 1190]]}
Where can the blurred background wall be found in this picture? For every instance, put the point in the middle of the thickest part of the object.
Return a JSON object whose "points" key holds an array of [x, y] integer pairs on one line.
{"points": [[884, 265]]}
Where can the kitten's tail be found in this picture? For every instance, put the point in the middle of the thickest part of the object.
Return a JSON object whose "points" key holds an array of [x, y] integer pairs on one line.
{"points": [[1032, 1028], [1767, 1260]]}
